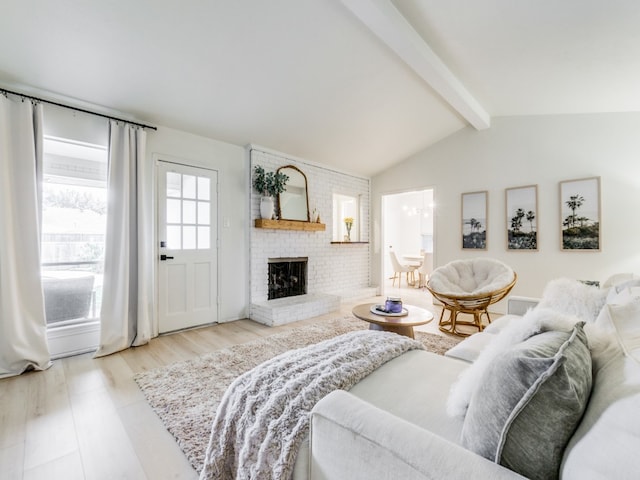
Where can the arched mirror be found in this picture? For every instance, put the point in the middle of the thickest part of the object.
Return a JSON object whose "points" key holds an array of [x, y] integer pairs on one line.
{"points": [[293, 203]]}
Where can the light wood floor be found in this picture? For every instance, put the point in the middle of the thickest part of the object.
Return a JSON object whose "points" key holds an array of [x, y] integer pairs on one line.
{"points": [[85, 418]]}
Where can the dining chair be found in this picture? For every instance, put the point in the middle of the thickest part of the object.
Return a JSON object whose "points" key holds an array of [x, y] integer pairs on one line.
{"points": [[399, 269], [425, 269]]}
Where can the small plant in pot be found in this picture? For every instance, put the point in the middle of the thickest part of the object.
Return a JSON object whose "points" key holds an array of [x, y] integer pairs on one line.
{"points": [[269, 184]]}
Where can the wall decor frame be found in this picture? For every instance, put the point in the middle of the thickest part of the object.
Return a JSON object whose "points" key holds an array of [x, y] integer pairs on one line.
{"points": [[474, 215], [521, 205], [580, 214]]}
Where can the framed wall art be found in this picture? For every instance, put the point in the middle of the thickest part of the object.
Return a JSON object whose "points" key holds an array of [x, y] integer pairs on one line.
{"points": [[522, 218], [580, 214], [474, 220]]}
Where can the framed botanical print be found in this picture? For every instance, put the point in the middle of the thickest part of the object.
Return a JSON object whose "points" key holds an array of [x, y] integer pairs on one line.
{"points": [[522, 218], [580, 214], [474, 220]]}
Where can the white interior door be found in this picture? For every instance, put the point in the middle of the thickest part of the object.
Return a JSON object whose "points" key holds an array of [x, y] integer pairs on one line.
{"points": [[188, 250]]}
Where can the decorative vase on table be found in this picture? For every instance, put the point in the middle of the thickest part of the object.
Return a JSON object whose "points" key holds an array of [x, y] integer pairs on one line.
{"points": [[266, 207], [348, 222]]}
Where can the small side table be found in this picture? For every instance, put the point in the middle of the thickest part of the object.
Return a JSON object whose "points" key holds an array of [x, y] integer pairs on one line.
{"points": [[400, 325]]}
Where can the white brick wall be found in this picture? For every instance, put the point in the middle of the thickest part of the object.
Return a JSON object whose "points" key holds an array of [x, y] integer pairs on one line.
{"points": [[337, 269]]}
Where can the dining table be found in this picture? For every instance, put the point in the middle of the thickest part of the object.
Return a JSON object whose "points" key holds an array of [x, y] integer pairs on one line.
{"points": [[415, 259]]}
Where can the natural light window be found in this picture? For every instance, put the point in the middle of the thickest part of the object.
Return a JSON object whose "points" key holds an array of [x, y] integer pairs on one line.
{"points": [[346, 218], [188, 207], [74, 213]]}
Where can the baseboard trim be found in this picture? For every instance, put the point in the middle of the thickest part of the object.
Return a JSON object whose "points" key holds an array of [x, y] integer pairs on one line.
{"points": [[73, 339]]}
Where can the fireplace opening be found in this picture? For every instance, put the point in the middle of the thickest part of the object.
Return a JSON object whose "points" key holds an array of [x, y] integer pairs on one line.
{"points": [[287, 277]]}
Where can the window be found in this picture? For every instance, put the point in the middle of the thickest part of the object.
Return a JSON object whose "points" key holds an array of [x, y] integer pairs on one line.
{"points": [[346, 208], [188, 207], [74, 213]]}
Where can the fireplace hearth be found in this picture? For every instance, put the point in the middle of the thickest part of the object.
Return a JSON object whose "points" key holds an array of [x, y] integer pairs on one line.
{"points": [[287, 277]]}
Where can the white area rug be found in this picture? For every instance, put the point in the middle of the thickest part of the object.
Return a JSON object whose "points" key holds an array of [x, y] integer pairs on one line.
{"points": [[185, 395]]}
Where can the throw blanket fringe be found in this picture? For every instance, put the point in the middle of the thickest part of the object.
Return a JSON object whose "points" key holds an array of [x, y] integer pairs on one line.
{"points": [[264, 415]]}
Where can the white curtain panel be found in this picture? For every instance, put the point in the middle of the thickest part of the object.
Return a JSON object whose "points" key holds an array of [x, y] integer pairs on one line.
{"points": [[23, 331], [127, 295]]}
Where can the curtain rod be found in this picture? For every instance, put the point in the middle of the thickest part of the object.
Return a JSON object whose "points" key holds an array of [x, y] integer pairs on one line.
{"points": [[31, 97]]}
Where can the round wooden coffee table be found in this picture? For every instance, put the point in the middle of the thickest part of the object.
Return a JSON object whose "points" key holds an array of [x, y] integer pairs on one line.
{"points": [[400, 325]]}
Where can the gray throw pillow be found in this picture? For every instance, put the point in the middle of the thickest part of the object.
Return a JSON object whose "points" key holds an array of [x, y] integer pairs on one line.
{"points": [[530, 402]]}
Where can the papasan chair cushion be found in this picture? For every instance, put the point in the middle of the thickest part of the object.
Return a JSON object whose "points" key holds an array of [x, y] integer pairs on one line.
{"points": [[469, 287], [472, 277]]}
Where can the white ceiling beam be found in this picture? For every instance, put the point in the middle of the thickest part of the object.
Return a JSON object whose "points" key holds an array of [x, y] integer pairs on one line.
{"points": [[383, 19]]}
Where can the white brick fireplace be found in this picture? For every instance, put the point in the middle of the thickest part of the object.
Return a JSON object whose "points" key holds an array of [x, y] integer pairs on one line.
{"points": [[335, 272]]}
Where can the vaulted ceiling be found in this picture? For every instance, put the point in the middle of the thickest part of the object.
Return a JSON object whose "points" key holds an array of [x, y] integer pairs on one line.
{"points": [[355, 84]]}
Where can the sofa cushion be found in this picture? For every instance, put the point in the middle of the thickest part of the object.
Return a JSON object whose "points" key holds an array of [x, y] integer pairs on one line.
{"points": [[626, 323], [501, 323], [471, 347], [606, 443], [415, 387], [530, 402]]}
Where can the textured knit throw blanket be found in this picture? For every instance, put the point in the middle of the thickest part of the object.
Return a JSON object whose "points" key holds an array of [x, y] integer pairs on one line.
{"points": [[264, 415]]}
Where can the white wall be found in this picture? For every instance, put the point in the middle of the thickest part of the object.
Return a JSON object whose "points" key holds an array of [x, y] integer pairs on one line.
{"points": [[517, 151], [65, 123], [231, 164]]}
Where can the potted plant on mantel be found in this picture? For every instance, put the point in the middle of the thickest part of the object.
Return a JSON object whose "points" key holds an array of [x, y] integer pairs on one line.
{"points": [[269, 184]]}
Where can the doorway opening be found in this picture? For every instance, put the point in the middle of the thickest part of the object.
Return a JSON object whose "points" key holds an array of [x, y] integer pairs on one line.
{"points": [[407, 233]]}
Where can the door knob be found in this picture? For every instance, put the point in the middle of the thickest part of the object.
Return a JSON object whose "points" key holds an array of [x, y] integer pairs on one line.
{"points": [[164, 257]]}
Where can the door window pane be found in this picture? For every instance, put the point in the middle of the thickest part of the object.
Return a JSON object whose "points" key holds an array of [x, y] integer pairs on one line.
{"points": [[203, 213], [174, 184], [173, 238], [188, 238], [189, 211], [189, 186], [173, 211], [204, 185]]}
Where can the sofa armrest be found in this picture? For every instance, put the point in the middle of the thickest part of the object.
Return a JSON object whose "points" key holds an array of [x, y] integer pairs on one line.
{"points": [[352, 439]]}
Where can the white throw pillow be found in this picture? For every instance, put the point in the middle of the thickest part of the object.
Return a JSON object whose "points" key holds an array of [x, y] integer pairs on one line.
{"points": [[621, 288], [573, 297], [619, 279], [622, 297], [626, 322]]}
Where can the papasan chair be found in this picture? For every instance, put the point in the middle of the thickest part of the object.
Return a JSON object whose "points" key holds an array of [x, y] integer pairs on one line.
{"points": [[469, 286]]}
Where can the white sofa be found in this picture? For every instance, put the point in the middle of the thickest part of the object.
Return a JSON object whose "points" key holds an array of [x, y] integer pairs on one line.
{"points": [[394, 424]]}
